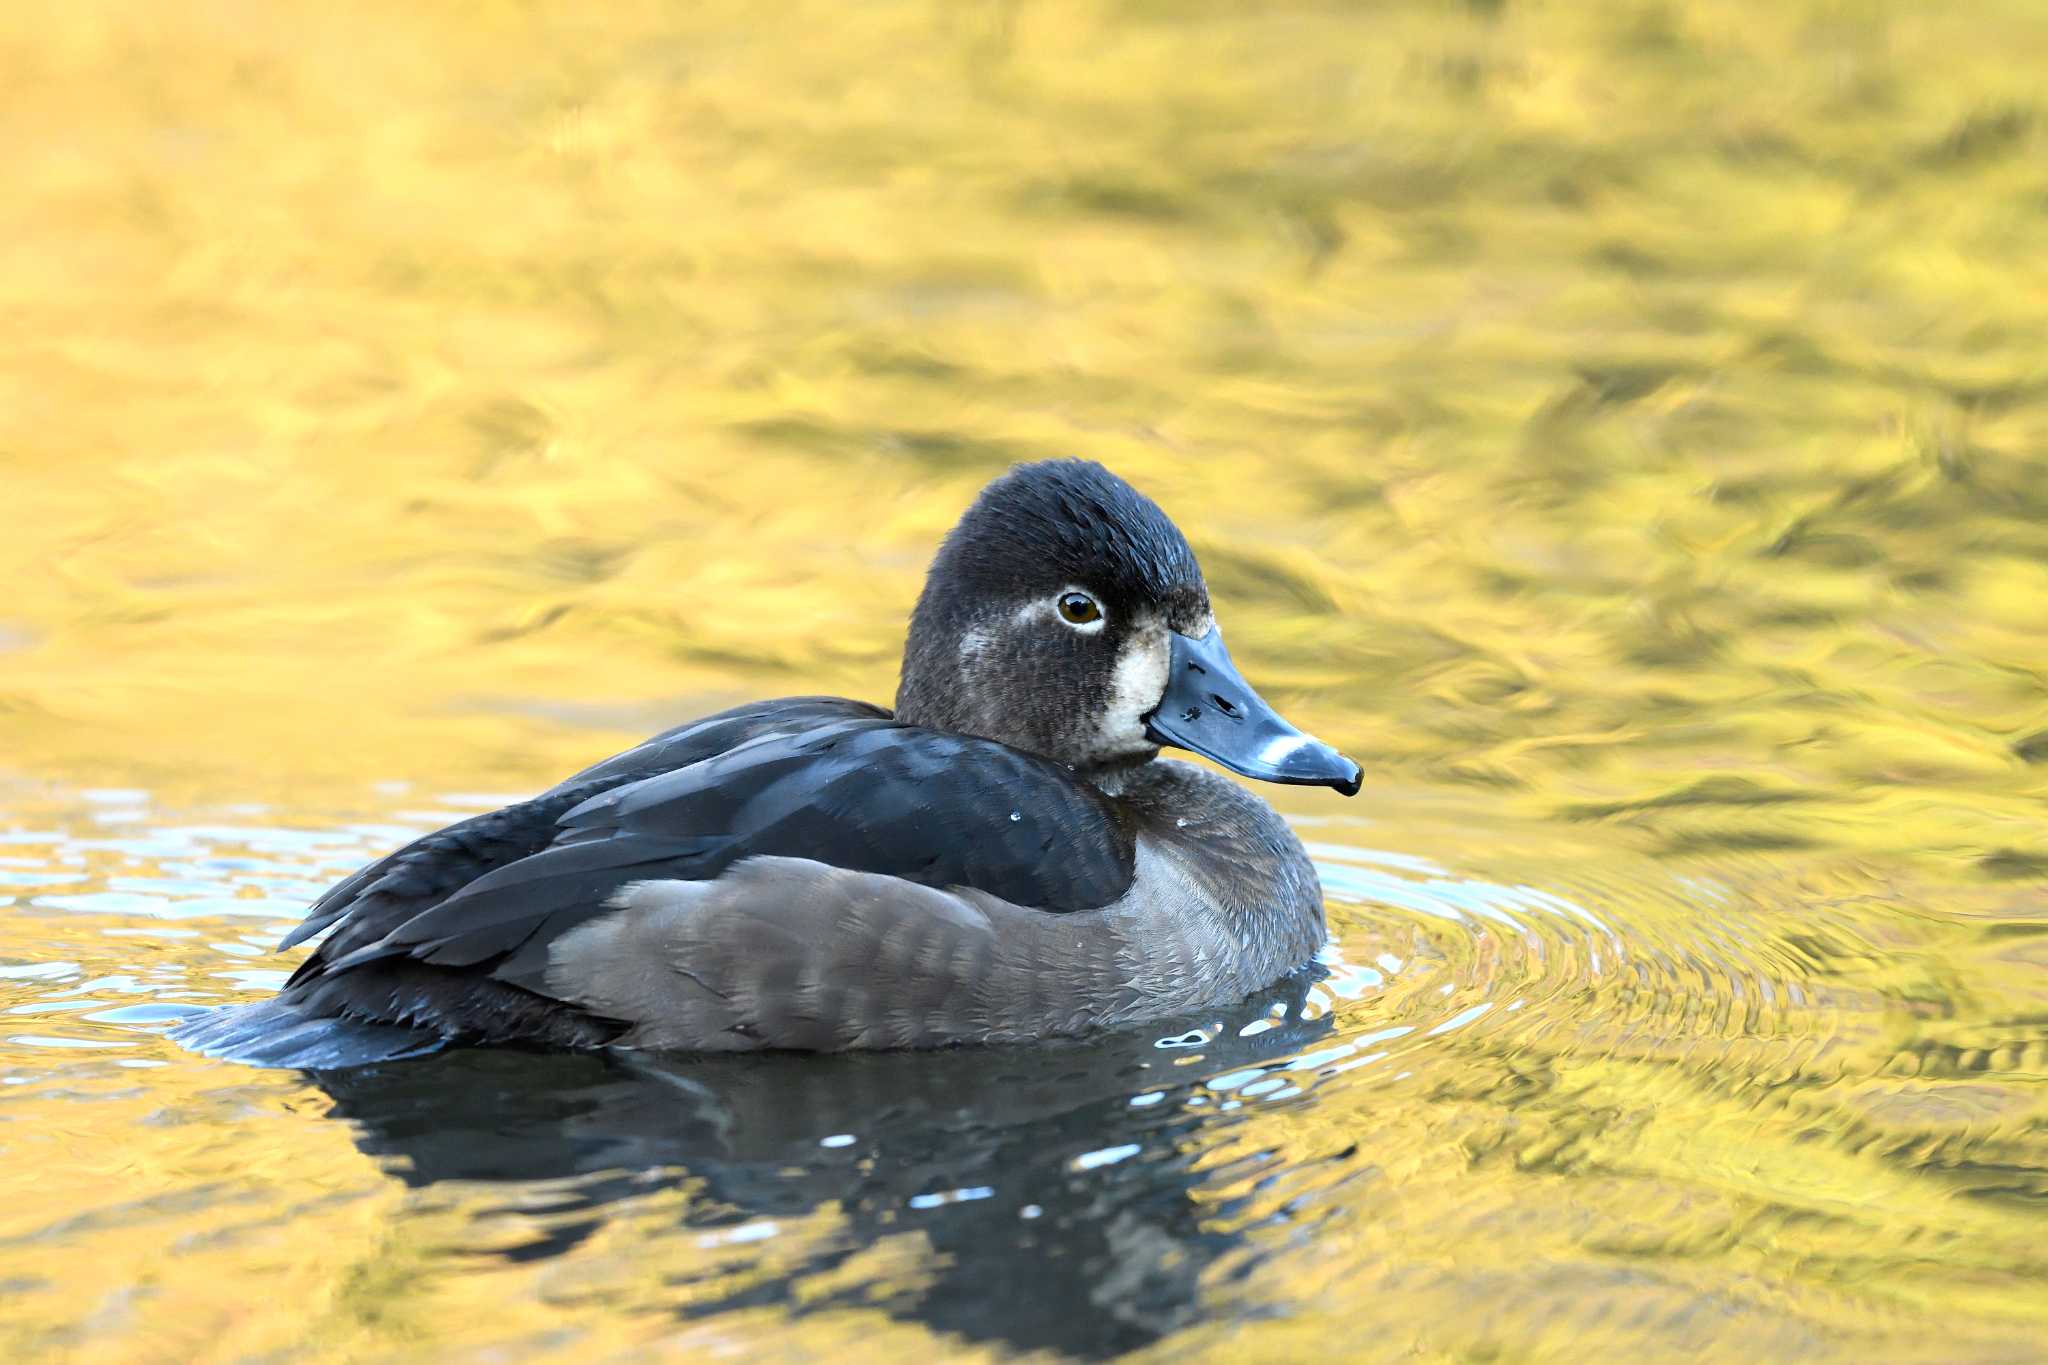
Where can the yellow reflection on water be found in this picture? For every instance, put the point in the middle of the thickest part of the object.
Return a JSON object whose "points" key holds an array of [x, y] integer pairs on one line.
{"points": [[1620, 425]]}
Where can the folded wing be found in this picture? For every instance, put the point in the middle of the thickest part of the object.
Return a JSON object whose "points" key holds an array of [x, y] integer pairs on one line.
{"points": [[832, 781]]}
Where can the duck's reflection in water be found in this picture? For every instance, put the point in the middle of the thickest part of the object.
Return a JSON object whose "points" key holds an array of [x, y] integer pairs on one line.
{"points": [[1054, 1188]]}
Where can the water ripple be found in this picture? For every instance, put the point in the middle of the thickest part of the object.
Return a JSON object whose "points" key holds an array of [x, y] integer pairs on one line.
{"points": [[1602, 1056]]}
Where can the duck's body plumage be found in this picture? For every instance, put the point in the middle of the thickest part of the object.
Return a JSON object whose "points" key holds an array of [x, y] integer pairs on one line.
{"points": [[823, 874], [809, 873]]}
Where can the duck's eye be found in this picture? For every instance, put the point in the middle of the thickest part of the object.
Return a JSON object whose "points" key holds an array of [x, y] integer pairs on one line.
{"points": [[1079, 609]]}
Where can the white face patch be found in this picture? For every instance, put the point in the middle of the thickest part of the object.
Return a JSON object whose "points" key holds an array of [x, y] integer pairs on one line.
{"points": [[1135, 690]]}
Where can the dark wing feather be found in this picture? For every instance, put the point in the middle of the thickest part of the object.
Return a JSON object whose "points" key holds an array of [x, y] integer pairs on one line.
{"points": [[853, 790], [434, 867], [715, 734], [439, 864]]}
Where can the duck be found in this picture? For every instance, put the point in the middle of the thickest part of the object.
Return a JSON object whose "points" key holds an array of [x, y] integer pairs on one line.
{"points": [[1002, 857]]}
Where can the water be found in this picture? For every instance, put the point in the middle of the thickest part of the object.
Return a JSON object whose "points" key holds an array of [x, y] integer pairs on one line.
{"points": [[1617, 426]]}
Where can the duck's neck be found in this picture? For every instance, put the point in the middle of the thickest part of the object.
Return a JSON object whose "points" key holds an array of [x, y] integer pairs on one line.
{"points": [[938, 652], [919, 702], [952, 681], [1112, 777]]}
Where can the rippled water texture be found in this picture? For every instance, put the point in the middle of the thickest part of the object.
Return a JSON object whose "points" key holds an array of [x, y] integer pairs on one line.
{"points": [[1621, 426]]}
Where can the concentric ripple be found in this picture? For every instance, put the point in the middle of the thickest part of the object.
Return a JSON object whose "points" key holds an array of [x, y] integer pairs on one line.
{"points": [[1506, 1079]]}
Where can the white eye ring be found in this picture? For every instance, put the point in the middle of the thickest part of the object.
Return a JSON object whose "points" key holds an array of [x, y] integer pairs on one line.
{"points": [[1079, 611]]}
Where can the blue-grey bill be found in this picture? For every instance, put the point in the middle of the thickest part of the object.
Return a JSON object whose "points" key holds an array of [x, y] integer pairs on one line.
{"points": [[1209, 709]]}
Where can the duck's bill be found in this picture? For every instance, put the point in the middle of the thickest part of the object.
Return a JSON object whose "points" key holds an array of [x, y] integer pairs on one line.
{"points": [[1210, 710]]}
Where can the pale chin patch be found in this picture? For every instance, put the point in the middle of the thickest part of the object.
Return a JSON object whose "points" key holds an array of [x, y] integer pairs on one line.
{"points": [[1135, 691]]}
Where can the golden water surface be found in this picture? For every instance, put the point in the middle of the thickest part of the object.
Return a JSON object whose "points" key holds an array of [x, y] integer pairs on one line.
{"points": [[1624, 427]]}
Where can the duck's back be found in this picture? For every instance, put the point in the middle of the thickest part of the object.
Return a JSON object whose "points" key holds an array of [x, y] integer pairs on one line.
{"points": [[453, 935]]}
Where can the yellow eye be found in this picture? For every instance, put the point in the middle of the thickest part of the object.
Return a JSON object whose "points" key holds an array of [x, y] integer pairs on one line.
{"points": [[1079, 608]]}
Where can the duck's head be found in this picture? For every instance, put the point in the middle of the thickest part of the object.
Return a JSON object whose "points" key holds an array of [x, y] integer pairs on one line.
{"points": [[1066, 615]]}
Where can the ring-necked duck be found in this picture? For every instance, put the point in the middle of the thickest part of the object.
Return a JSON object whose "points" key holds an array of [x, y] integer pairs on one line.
{"points": [[1003, 858]]}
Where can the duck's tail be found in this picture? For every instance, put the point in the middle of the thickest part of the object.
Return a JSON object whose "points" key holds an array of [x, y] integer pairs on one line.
{"points": [[279, 1033]]}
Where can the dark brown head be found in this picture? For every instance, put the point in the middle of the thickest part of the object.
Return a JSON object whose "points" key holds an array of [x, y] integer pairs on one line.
{"points": [[1066, 615]]}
